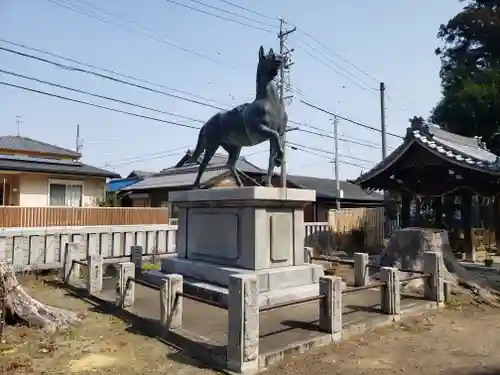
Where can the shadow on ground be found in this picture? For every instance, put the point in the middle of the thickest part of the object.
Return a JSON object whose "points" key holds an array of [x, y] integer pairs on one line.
{"points": [[188, 351]]}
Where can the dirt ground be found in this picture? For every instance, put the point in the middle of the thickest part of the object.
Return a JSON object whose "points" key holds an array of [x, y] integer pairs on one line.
{"points": [[461, 339]]}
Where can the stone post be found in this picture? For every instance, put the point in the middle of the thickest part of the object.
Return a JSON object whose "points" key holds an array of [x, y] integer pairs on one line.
{"points": [[95, 273], [124, 289], [330, 307], [71, 270], [391, 291], [434, 285], [361, 274], [136, 258], [243, 319], [308, 254], [170, 303]]}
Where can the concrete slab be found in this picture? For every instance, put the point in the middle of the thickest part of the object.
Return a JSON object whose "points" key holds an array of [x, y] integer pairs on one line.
{"points": [[244, 193]]}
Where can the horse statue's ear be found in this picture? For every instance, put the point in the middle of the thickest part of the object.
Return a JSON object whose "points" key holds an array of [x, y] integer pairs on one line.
{"points": [[261, 52], [271, 52]]}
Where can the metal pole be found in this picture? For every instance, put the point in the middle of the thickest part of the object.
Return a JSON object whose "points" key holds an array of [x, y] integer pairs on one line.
{"points": [[336, 163], [282, 100], [77, 139], [383, 131], [382, 120], [284, 55]]}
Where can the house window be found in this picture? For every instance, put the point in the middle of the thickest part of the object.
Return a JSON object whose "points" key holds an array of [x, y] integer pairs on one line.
{"points": [[69, 195]]}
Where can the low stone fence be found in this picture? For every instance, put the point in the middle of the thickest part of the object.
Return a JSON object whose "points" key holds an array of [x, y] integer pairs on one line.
{"points": [[43, 248], [243, 308]]}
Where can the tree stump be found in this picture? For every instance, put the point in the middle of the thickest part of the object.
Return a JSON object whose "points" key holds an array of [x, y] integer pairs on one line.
{"points": [[20, 306], [405, 251]]}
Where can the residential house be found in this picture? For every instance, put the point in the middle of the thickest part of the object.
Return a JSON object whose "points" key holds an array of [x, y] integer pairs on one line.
{"points": [[114, 186], [154, 190], [38, 174], [349, 196]]}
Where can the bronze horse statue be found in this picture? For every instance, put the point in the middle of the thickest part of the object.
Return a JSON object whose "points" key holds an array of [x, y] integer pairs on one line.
{"points": [[248, 124]]}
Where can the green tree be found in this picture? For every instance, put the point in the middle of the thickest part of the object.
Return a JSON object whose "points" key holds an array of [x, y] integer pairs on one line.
{"points": [[470, 73]]}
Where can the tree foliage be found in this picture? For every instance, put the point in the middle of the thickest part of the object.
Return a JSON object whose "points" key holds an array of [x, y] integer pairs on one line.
{"points": [[470, 72]]}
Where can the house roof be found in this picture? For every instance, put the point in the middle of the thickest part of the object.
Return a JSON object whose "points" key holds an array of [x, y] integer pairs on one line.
{"points": [[121, 183], [467, 152], [326, 188], [140, 174], [16, 142], [180, 177], [40, 165], [219, 160]]}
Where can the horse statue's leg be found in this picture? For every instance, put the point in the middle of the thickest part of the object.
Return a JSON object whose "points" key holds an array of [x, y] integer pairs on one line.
{"points": [[234, 154], [207, 156], [272, 163]]}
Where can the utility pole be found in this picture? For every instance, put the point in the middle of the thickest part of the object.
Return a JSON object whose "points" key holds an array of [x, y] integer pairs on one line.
{"points": [[18, 124], [382, 120], [383, 131], [78, 140], [336, 161], [285, 55]]}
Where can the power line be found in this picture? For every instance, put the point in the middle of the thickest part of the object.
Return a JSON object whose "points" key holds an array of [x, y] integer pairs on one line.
{"points": [[311, 152], [100, 96], [146, 157], [348, 119], [160, 39], [350, 139], [145, 117], [97, 105], [337, 55], [249, 10], [154, 109], [75, 69], [108, 77], [109, 71], [219, 16], [329, 152], [363, 85], [149, 108], [342, 138], [232, 13]]}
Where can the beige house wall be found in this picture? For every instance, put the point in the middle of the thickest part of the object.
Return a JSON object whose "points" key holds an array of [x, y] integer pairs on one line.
{"points": [[33, 189]]}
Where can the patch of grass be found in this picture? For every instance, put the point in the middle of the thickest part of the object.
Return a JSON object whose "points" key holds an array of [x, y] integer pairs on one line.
{"points": [[150, 267]]}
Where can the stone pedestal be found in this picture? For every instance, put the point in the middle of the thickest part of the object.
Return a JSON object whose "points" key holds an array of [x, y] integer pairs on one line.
{"points": [[248, 231]]}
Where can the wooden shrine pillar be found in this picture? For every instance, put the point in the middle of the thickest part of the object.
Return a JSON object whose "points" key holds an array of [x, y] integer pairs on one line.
{"points": [[406, 199], [469, 249]]}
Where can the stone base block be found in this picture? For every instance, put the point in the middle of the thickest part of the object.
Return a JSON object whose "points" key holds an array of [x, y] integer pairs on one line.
{"points": [[273, 279], [219, 294]]}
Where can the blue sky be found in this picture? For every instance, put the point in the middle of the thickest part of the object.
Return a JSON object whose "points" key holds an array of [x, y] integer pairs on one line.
{"points": [[390, 40]]}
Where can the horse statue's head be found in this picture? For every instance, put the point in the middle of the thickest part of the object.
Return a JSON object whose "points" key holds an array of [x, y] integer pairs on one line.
{"points": [[269, 65]]}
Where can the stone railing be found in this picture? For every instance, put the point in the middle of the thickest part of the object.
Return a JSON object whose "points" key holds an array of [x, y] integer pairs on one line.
{"points": [[43, 248], [243, 299]]}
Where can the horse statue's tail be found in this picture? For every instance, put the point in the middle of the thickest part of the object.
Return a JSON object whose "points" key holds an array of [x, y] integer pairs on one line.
{"points": [[208, 130], [200, 147]]}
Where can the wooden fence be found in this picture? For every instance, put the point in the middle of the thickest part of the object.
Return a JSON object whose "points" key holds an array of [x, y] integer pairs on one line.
{"points": [[30, 217], [362, 221]]}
